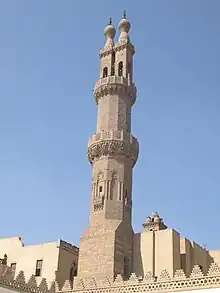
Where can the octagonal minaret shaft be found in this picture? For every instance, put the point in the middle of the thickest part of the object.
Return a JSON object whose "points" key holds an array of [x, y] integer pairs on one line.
{"points": [[106, 245]]}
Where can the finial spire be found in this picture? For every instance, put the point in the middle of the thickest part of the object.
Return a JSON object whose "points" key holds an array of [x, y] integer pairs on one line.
{"points": [[110, 21], [124, 15]]}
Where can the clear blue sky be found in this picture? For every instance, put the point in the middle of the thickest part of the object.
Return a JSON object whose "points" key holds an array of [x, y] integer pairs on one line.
{"points": [[48, 65]]}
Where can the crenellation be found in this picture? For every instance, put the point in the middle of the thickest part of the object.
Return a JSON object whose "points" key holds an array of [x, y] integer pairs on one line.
{"points": [[68, 286], [19, 283], [164, 276], [196, 272], [20, 278], [149, 283], [43, 286], [179, 275]]}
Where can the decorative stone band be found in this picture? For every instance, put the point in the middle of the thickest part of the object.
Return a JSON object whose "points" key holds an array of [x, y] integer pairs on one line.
{"points": [[114, 143], [116, 48], [112, 85], [164, 283]]}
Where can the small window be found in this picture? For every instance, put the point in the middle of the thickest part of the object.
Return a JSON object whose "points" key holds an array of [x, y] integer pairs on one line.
{"points": [[38, 268], [113, 64], [100, 189], [120, 68], [13, 268], [105, 72]]}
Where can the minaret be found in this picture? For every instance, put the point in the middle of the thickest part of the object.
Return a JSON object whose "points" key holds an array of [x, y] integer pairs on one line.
{"points": [[106, 245]]}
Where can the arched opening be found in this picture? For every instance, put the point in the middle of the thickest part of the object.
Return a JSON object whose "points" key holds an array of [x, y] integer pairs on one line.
{"points": [[113, 64], [120, 68], [73, 271], [113, 189], [130, 70], [105, 72], [114, 186], [100, 190]]}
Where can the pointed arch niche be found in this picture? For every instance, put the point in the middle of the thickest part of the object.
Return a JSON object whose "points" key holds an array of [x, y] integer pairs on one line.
{"points": [[114, 186]]}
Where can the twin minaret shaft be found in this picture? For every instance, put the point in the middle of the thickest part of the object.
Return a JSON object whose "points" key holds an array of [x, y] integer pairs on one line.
{"points": [[106, 245]]}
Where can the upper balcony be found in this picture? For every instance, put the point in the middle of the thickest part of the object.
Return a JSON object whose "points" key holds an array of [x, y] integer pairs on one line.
{"points": [[115, 85], [112, 80]]}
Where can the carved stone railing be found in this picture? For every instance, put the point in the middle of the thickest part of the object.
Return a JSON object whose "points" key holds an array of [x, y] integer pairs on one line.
{"points": [[19, 283], [113, 79], [113, 143], [115, 85], [164, 283]]}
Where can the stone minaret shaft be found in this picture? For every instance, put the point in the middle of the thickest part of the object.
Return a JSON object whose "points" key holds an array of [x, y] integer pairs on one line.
{"points": [[106, 245]]}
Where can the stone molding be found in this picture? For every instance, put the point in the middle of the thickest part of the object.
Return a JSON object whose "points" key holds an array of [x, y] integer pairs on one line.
{"points": [[19, 283], [116, 48], [68, 246], [115, 85], [149, 283], [114, 143]]}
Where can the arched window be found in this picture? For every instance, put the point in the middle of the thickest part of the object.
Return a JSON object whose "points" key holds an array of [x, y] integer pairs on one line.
{"points": [[73, 271], [105, 72], [120, 68]]}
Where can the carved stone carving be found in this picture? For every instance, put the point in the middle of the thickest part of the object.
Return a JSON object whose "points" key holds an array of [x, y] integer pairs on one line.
{"points": [[164, 276], [149, 278], [214, 270], [98, 203], [118, 47], [179, 275], [122, 89], [112, 148]]}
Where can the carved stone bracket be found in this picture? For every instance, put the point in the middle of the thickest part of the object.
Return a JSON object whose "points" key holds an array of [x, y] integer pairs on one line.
{"points": [[122, 89], [113, 148]]}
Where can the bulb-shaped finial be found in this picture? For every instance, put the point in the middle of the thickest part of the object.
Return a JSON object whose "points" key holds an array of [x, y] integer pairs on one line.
{"points": [[109, 33], [124, 27]]}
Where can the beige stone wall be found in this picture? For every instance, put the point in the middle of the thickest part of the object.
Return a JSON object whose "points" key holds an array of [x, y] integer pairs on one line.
{"points": [[199, 256], [65, 262], [26, 257], [215, 256], [144, 253], [167, 251], [54, 257], [156, 251], [186, 255]]}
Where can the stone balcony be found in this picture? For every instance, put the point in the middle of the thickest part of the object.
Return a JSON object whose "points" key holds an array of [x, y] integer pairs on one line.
{"points": [[108, 143], [115, 85]]}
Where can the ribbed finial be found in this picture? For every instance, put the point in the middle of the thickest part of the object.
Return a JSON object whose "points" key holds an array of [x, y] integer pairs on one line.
{"points": [[110, 21], [124, 15]]}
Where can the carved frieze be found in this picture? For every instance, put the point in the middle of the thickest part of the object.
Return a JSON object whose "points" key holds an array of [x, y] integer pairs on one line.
{"points": [[124, 90], [112, 148], [98, 203], [117, 48]]}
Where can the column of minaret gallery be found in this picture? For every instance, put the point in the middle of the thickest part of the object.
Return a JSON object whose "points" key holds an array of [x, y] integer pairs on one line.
{"points": [[106, 245]]}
